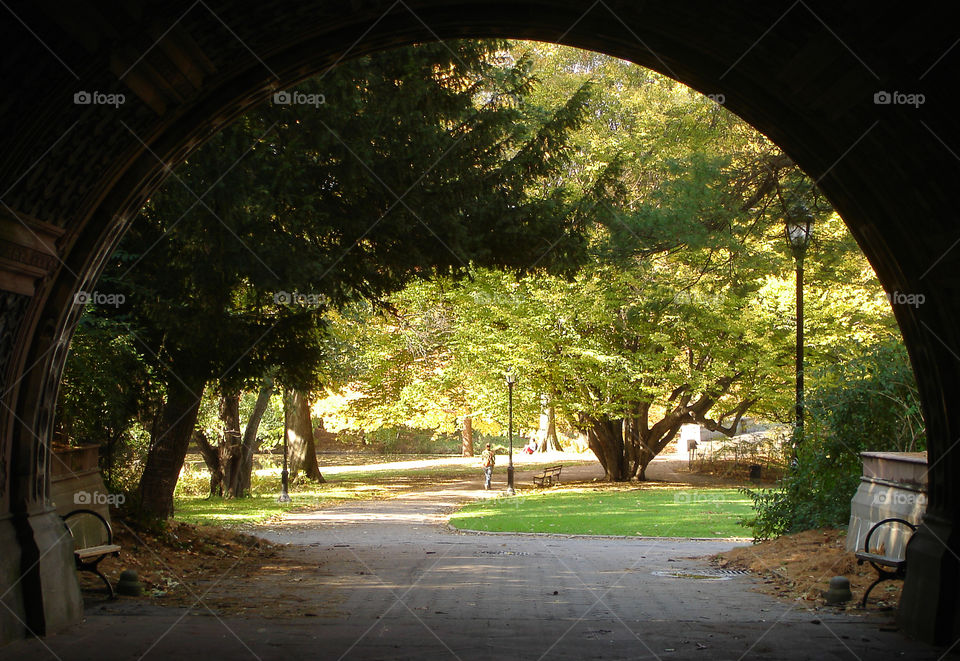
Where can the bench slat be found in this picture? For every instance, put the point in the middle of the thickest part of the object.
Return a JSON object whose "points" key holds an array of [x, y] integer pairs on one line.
{"points": [[92, 551], [880, 559]]}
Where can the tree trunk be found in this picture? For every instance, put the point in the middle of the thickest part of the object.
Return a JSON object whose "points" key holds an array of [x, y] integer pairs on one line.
{"points": [[605, 438], [168, 447], [546, 436], [466, 437], [230, 444], [251, 442], [552, 441], [211, 457], [298, 431], [644, 456]]}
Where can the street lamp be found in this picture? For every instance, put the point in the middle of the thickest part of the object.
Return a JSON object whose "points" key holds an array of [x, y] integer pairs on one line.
{"points": [[798, 228], [284, 475], [510, 382]]}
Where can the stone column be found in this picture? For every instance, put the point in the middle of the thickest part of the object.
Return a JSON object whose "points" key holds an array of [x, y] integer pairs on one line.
{"points": [[930, 604], [37, 576]]}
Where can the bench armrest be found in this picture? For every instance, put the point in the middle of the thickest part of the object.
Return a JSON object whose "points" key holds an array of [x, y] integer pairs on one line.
{"points": [[866, 542], [103, 521]]}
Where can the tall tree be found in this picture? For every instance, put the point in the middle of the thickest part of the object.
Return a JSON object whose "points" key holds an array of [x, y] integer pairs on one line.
{"points": [[298, 432], [410, 163], [251, 438], [683, 314]]}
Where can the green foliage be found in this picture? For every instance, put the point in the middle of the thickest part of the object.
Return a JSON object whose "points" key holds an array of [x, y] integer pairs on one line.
{"points": [[420, 162], [683, 312], [868, 404], [414, 165], [392, 440], [107, 397], [271, 424]]}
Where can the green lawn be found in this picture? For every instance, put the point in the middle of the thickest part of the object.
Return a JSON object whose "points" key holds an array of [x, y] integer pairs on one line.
{"points": [[647, 511], [192, 505], [264, 506]]}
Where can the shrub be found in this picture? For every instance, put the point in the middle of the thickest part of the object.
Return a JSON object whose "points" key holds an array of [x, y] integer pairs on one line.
{"points": [[870, 404], [409, 440]]}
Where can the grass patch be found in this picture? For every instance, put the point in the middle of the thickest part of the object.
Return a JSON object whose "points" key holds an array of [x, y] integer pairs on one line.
{"points": [[234, 512], [647, 511], [192, 504]]}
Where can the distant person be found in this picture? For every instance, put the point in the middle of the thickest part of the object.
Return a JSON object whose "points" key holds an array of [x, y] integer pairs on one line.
{"points": [[488, 459], [531, 447]]}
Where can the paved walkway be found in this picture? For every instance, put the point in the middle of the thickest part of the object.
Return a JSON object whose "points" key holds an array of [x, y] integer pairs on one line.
{"points": [[389, 580]]}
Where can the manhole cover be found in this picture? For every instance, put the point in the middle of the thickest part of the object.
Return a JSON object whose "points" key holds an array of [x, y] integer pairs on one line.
{"points": [[504, 552], [703, 574]]}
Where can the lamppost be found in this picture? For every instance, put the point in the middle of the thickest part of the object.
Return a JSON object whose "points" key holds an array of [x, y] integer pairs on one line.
{"points": [[798, 229], [284, 476], [510, 382]]}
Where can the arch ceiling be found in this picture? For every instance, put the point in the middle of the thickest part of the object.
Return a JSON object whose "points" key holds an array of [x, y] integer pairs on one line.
{"points": [[829, 82]]}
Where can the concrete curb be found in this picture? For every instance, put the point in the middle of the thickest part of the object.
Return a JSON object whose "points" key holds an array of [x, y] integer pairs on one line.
{"points": [[579, 536]]}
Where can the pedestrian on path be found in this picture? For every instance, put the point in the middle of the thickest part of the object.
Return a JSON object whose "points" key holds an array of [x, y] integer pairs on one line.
{"points": [[487, 460]]}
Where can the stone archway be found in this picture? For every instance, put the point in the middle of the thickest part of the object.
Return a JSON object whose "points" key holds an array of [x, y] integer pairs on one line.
{"points": [[73, 174]]}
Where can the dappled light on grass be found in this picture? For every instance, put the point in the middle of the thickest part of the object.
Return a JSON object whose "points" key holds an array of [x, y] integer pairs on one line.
{"points": [[344, 483], [192, 505], [630, 511], [258, 508]]}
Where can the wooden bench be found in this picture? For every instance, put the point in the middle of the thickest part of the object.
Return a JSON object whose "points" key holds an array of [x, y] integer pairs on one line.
{"points": [[888, 568], [92, 542], [549, 477]]}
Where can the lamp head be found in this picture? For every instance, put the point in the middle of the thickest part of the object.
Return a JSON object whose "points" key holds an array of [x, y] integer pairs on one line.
{"points": [[798, 228]]}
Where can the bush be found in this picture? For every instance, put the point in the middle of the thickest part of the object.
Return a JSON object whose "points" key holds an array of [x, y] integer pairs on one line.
{"points": [[108, 397], [408, 440], [870, 404]]}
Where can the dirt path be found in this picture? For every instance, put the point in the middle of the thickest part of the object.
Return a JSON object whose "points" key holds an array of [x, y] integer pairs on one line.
{"points": [[670, 468]]}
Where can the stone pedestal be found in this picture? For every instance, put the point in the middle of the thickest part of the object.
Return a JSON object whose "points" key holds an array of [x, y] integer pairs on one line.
{"points": [[930, 603], [75, 480], [51, 569], [893, 485], [12, 615]]}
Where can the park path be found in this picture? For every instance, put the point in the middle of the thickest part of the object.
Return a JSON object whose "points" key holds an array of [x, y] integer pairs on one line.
{"points": [[387, 579]]}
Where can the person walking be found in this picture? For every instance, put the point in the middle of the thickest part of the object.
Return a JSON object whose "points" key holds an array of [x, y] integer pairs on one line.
{"points": [[487, 460]]}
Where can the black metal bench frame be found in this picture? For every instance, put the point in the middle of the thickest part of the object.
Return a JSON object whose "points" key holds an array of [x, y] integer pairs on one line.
{"points": [[887, 568], [88, 558], [549, 477]]}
